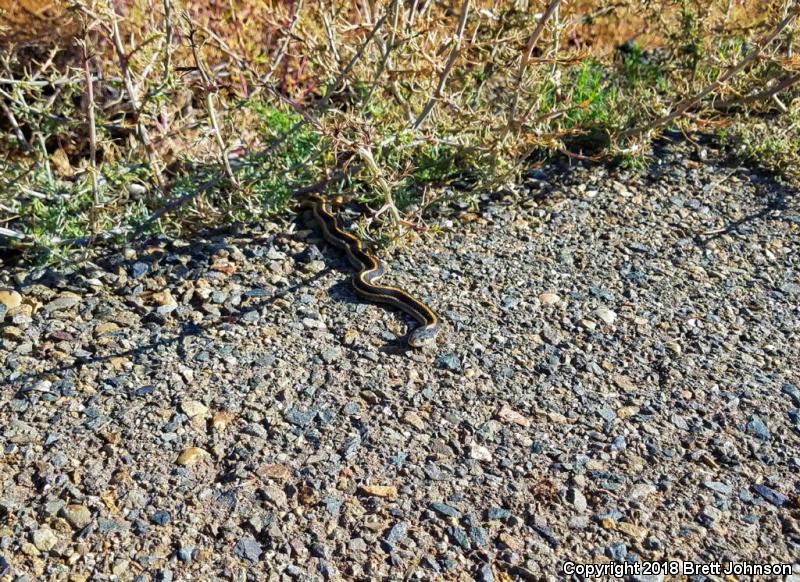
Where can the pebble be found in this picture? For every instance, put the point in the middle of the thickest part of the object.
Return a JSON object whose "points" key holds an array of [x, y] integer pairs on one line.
{"points": [[64, 301], [161, 517], [192, 408], [248, 549], [641, 491], [577, 499], [769, 494], [549, 298], [606, 315], [190, 456], [509, 415], [9, 299], [44, 539], [449, 362], [445, 510], [758, 428], [396, 534], [719, 487], [77, 516], [480, 453], [388, 491]]}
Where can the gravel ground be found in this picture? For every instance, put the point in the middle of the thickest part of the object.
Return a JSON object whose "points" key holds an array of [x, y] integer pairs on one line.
{"points": [[618, 380]]}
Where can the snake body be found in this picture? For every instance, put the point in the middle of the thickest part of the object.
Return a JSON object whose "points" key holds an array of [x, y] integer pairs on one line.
{"points": [[370, 270]]}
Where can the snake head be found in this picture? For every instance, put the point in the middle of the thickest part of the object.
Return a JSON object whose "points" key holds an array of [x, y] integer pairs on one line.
{"points": [[424, 335]]}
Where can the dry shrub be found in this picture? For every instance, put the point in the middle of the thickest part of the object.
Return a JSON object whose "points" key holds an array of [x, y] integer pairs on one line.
{"points": [[218, 110]]}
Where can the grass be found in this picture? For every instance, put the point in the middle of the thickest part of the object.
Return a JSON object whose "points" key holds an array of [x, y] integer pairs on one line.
{"points": [[211, 117]]}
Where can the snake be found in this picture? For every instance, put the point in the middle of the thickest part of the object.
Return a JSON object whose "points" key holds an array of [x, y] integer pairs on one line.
{"points": [[370, 271]]}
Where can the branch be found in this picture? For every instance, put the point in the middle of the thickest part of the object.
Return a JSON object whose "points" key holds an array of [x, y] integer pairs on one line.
{"points": [[523, 64], [761, 95], [208, 87], [133, 95], [462, 23], [87, 73], [684, 106]]}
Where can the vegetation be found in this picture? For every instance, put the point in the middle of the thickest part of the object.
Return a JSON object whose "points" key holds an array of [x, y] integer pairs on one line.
{"points": [[142, 116]]}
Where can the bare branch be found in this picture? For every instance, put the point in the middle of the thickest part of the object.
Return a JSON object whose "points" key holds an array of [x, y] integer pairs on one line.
{"points": [[133, 95], [451, 60], [523, 64], [768, 93], [684, 106]]}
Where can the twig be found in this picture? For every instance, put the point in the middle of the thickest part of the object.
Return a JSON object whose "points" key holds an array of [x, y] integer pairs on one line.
{"points": [[296, 7], [787, 82], [15, 126], [208, 87], [523, 64], [133, 95], [7, 232], [329, 33], [369, 161], [451, 60], [92, 131], [167, 39], [684, 106], [207, 185], [329, 90]]}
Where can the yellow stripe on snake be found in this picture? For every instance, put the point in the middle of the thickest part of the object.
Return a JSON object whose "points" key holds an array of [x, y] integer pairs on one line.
{"points": [[370, 270]]}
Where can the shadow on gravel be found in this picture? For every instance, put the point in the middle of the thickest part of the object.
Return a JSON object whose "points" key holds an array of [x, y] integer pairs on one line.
{"points": [[771, 211], [187, 329], [339, 292]]}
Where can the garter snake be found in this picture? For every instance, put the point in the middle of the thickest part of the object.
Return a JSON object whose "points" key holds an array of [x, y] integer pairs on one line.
{"points": [[370, 270]]}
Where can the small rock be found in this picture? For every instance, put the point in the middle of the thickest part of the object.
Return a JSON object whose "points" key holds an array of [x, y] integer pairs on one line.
{"points": [[480, 453], [709, 516], [549, 298], [459, 537], [192, 408], [446, 510], [385, 491], [624, 383], [792, 391], [577, 499], [510, 541], [190, 456], [497, 513], [414, 420], [636, 532], [63, 301], [485, 574], [357, 545], [396, 533], [105, 327], [641, 491], [221, 420], [276, 472], [248, 549], [774, 497], [275, 495], [758, 428], [186, 554], [10, 299], [44, 539], [606, 315], [77, 516], [160, 518], [718, 487], [509, 415], [449, 362]]}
